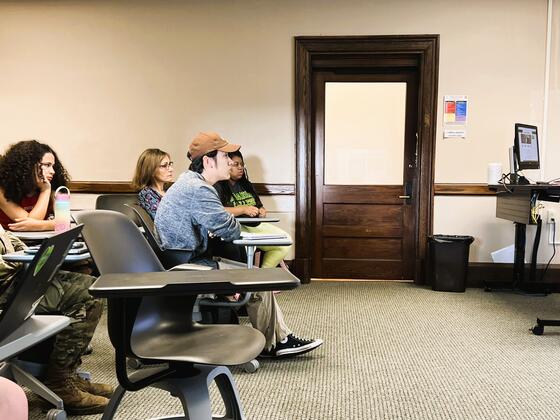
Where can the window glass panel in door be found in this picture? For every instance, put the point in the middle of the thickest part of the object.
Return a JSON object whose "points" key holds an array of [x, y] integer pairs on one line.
{"points": [[364, 133]]}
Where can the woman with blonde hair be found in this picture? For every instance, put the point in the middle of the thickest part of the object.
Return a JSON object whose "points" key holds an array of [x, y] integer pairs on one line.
{"points": [[154, 169]]}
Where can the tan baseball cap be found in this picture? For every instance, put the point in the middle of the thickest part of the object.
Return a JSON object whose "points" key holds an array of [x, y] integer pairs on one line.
{"points": [[208, 142]]}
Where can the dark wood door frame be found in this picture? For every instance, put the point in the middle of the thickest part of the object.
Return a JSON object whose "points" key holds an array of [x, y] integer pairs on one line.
{"points": [[354, 52]]}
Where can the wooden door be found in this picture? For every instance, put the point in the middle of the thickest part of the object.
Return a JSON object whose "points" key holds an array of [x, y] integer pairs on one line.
{"points": [[367, 227]]}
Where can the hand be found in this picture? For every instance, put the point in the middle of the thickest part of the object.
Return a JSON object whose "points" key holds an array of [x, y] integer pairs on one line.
{"points": [[251, 211], [29, 224], [41, 179], [262, 212]]}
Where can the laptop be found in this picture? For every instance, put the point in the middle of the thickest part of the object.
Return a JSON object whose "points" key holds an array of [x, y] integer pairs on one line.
{"points": [[28, 288]]}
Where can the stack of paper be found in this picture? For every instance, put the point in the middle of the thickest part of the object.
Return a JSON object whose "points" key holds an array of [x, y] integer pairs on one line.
{"points": [[248, 235]]}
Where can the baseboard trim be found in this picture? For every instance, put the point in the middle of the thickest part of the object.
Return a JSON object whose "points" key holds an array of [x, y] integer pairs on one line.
{"points": [[495, 275]]}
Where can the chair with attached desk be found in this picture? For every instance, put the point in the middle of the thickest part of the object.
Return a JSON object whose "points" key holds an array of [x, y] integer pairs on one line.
{"points": [[207, 310], [150, 318], [20, 330]]}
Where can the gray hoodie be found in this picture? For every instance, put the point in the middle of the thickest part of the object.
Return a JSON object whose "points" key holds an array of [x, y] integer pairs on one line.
{"points": [[189, 211]]}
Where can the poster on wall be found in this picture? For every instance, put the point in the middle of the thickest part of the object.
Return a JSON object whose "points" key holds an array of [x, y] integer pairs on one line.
{"points": [[455, 116]]}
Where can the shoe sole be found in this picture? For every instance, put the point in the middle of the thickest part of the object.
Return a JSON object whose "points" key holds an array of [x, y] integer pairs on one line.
{"points": [[287, 353], [85, 411]]}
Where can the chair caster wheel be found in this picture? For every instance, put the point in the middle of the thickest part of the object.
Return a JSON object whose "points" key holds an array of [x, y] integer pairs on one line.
{"points": [[56, 414], [134, 363], [251, 367], [538, 329]]}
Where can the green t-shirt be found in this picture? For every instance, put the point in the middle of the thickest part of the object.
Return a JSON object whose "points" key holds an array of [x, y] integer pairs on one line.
{"points": [[241, 197]]}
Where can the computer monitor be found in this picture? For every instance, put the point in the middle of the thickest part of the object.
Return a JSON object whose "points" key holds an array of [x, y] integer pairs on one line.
{"points": [[526, 147]]}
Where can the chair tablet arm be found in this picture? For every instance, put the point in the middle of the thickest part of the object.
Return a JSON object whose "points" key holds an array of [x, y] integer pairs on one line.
{"points": [[172, 283], [190, 267]]}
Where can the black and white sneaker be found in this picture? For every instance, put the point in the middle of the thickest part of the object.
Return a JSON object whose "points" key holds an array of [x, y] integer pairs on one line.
{"points": [[291, 346]]}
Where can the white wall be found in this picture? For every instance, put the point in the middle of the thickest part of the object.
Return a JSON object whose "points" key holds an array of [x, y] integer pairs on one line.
{"points": [[102, 80]]}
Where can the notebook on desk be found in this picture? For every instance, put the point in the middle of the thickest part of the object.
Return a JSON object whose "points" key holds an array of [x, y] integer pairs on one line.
{"points": [[257, 236]]}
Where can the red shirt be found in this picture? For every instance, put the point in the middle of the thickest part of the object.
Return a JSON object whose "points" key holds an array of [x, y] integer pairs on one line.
{"points": [[27, 203]]}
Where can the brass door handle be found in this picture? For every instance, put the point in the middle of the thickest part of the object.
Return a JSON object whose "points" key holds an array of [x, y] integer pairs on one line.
{"points": [[405, 197]]}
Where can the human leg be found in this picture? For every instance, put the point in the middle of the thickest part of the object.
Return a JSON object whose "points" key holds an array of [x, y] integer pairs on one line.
{"points": [[68, 295], [266, 316], [272, 254]]}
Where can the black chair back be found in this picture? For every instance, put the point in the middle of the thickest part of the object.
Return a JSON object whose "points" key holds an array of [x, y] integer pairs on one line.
{"points": [[169, 258], [116, 202], [116, 244]]}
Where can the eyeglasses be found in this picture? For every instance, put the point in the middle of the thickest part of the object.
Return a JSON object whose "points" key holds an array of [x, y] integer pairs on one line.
{"points": [[166, 165], [238, 165]]}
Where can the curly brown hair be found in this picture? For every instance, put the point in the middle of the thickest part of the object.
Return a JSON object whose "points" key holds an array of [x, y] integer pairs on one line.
{"points": [[18, 169]]}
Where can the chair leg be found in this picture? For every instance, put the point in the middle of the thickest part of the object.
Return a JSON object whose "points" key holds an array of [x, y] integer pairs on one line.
{"points": [[194, 395], [114, 402], [23, 378]]}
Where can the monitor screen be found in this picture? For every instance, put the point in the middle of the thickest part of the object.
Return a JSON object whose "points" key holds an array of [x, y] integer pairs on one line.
{"points": [[526, 146]]}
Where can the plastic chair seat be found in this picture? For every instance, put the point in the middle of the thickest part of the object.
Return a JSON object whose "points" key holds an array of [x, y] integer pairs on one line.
{"points": [[195, 346]]}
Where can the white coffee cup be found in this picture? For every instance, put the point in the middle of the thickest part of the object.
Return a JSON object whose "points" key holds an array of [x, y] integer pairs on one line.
{"points": [[494, 173]]}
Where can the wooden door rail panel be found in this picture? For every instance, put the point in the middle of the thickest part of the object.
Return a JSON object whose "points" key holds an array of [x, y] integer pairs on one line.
{"points": [[105, 187], [386, 269], [362, 248], [362, 232]]}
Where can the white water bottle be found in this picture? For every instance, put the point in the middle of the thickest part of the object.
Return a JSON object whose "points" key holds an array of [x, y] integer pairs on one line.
{"points": [[61, 209]]}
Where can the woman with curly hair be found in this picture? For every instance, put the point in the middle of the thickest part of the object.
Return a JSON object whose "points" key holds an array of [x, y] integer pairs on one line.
{"points": [[29, 172], [153, 170]]}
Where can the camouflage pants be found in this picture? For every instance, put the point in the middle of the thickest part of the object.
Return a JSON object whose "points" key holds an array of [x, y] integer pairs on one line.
{"points": [[68, 295]]}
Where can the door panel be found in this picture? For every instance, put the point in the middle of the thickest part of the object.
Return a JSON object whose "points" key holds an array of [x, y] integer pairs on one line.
{"points": [[355, 269], [362, 214], [357, 248], [365, 226]]}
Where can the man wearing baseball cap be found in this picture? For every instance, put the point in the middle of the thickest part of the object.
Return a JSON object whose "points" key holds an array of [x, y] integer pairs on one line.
{"points": [[191, 210]]}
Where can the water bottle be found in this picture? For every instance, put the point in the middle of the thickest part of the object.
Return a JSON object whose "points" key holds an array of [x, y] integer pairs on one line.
{"points": [[61, 209]]}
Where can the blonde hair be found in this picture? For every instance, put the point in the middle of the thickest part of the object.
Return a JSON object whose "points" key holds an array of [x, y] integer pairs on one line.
{"points": [[146, 167]]}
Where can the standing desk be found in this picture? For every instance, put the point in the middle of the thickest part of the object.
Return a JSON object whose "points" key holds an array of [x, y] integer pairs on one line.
{"points": [[515, 205]]}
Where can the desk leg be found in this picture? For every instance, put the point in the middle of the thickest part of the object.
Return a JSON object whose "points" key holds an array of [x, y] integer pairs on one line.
{"points": [[250, 255], [519, 255]]}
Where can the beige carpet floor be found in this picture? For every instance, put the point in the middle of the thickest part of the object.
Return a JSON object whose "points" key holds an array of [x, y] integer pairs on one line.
{"points": [[392, 351]]}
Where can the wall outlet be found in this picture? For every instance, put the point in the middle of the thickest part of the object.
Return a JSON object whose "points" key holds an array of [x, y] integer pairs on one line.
{"points": [[550, 216]]}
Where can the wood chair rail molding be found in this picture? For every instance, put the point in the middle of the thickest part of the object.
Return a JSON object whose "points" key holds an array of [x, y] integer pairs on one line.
{"points": [[105, 187]]}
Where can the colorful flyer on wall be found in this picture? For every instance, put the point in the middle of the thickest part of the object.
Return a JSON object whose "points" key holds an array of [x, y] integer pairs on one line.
{"points": [[455, 116]]}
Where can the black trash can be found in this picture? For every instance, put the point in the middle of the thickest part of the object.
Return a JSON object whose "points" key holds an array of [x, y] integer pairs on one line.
{"points": [[448, 260]]}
